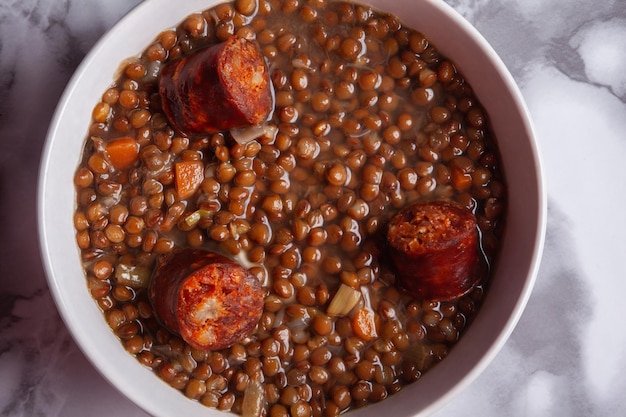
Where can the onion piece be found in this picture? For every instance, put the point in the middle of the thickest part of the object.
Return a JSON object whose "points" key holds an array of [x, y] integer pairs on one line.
{"points": [[253, 400], [302, 63], [195, 217], [344, 301], [247, 134], [132, 276], [153, 70]]}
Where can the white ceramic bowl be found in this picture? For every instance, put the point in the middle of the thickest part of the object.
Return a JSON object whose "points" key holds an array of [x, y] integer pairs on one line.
{"points": [[510, 287]]}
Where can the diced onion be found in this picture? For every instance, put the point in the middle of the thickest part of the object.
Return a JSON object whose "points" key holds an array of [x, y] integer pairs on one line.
{"points": [[132, 276], [195, 217], [344, 301], [153, 70], [424, 355], [247, 134], [302, 64], [253, 400]]}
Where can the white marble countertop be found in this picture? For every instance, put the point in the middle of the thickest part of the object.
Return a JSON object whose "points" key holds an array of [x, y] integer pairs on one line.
{"points": [[567, 355]]}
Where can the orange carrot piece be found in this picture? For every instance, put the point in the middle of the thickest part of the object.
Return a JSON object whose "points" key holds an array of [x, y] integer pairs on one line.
{"points": [[364, 324], [122, 152], [189, 176]]}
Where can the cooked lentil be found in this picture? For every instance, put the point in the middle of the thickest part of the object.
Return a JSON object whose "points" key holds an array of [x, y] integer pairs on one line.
{"points": [[369, 117]]}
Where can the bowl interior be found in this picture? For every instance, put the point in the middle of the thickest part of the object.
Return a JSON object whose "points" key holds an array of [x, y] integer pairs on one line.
{"points": [[515, 272]]}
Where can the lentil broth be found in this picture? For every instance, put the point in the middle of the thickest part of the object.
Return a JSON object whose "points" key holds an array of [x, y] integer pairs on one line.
{"points": [[369, 117]]}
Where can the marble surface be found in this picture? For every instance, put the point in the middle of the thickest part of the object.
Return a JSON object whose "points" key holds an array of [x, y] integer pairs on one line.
{"points": [[566, 356]]}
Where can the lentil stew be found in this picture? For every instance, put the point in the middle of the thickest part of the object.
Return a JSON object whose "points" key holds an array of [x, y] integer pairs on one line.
{"points": [[368, 118]]}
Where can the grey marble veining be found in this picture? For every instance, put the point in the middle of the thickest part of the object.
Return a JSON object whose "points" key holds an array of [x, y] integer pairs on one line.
{"points": [[565, 358]]}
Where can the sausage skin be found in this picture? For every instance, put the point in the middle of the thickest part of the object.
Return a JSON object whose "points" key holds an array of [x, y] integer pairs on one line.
{"points": [[221, 87], [211, 301], [434, 250]]}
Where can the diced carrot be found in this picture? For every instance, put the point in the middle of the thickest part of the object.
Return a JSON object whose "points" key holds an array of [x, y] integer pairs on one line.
{"points": [[364, 324], [122, 152], [189, 176]]}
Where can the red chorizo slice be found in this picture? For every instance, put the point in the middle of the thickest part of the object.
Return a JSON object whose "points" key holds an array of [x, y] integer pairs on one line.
{"points": [[221, 87], [211, 301], [434, 249]]}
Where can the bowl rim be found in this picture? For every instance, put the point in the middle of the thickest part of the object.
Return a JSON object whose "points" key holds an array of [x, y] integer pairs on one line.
{"points": [[51, 254]]}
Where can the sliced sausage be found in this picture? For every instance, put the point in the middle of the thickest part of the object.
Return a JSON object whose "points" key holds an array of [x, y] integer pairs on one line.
{"points": [[434, 250], [211, 301], [221, 87]]}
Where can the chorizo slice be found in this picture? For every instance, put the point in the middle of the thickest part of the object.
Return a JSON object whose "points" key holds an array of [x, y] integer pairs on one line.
{"points": [[221, 87], [434, 249], [211, 301]]}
